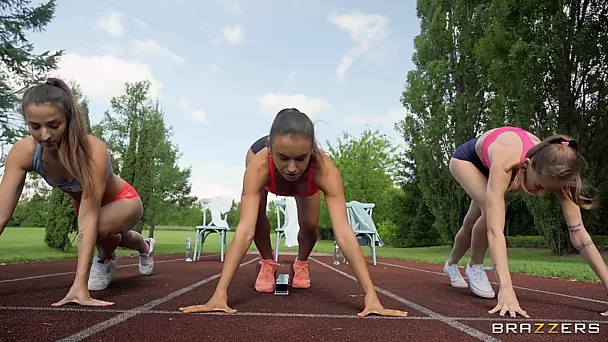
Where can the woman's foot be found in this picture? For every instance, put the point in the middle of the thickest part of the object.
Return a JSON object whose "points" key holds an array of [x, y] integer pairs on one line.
{"points": [[266, 280], [101, 272], [301, 275], [146, 260]]}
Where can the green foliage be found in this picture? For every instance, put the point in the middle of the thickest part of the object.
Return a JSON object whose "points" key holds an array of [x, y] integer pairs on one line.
{"points": [[369, 168], [536, 65], [21, 67], [62, 220], [30, 213], [135, 130]]}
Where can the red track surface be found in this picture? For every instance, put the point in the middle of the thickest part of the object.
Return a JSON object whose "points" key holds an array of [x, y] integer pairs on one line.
{"points": [[146, 308]]}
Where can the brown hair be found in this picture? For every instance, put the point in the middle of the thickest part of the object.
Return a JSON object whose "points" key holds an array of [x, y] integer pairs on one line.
{"points": [[558, 156], [74, 151]]}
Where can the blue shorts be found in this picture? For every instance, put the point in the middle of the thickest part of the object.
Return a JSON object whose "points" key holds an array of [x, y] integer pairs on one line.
{"points": [[467, 152]]}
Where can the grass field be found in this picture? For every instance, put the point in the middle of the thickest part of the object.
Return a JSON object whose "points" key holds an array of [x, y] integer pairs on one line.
{"points": [[20, 245]]}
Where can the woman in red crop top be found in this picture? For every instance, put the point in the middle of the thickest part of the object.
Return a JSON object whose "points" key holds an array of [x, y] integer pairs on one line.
{"points": [[289, 163], [504, 159]]}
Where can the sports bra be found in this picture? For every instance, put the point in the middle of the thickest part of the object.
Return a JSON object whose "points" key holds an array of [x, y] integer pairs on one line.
{"points": [[312, 189], [71, 186], [523, 135]]}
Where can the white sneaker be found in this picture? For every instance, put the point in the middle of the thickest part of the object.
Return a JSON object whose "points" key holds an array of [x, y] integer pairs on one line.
{"points": [[456, 279], [478, 281], [146, 261], [101, 273]]}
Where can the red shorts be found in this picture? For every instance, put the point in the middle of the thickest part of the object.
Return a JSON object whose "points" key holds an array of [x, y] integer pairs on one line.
{"points": [[126, 192]]}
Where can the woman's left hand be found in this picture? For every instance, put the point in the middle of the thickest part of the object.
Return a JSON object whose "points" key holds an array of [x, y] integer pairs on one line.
{"points": [[605, 314], [373, 306], [80, 295]]}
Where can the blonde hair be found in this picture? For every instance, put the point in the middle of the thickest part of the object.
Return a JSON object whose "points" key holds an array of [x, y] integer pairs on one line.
{"points": [[558, 157]]}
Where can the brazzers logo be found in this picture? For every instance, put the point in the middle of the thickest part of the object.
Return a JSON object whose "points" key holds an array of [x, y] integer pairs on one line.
{"points": [[546, 328]]}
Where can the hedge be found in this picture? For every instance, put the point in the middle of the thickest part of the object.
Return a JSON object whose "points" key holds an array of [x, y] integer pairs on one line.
{"points": [[539, 241]]}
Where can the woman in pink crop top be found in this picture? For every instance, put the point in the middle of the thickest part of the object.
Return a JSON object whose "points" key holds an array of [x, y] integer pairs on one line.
{"points": [[289, 163], [504, 159]]}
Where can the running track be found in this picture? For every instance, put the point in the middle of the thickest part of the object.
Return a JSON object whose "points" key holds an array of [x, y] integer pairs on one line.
{"points": [[146, 308]]}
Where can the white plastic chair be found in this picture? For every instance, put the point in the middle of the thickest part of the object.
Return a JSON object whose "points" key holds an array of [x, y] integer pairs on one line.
{"points": [[280, 204], [218, 206], [290, 227]]}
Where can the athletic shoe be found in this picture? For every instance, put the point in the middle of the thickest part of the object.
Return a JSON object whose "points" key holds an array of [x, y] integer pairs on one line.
{"points": [[301, 276], [453, 272], [266, 281], [478, 281], [101, 273], [146, 261]]}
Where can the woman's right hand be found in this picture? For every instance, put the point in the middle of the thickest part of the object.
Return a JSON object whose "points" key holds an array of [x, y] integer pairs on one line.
{"points": [[507, 302], [216, 303]]}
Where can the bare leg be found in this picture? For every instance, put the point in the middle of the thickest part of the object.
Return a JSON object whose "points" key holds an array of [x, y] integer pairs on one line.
{"points": [[133, 240], [479, 241], [115, 222], [308, 220], [474, 183], [262, 230], [462, 241]]}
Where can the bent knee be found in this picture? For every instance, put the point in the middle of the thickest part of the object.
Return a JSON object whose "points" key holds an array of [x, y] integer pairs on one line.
{"points": [[309, 229]]}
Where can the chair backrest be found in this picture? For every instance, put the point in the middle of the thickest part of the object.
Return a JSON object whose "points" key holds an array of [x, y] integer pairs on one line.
{"points": [[280, 204], [360, 219], [219, 207], [291, 212]]}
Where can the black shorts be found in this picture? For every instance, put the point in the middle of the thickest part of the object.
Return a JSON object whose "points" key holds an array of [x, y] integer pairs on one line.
{"points": [[259, 144], [467, 152]]}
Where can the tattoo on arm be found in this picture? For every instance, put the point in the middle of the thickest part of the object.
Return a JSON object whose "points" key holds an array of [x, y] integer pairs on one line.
{"points": [[582, 245], [79, 235], [575, 228]]}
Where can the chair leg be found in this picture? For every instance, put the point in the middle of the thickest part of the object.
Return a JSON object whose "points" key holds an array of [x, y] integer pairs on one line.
{"points": [[198, 245], [372, 246], [195, 247], [276, 247], [221, 236]]}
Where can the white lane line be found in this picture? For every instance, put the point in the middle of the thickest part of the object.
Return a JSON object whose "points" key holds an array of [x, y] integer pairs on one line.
{"points": [[303, 315], [447, 320], [83, 334], [517, 287], [72, 272]]}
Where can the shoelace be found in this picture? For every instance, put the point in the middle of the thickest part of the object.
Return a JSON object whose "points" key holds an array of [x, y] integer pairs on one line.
{"points": [[266, 272], [479, 274], [454, 272], [298, 270]]}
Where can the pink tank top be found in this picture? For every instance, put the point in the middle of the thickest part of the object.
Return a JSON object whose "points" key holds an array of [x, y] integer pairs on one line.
{"points": [[523, 135]]}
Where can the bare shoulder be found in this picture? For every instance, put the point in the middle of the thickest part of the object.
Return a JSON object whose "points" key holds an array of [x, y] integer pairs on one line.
{"points": [[22, 153], [97, 147], [327, 176], [96, 143], [256, 173]]}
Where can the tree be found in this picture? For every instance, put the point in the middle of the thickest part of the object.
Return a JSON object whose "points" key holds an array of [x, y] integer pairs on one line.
{"points": [[369, 167], [136, 133], [20, 66]]}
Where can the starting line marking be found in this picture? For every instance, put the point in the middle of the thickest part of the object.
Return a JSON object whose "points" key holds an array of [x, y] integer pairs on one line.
{"points": [[72, 272], [292, 314], [445, 319], [492, 282], [92, 330]]}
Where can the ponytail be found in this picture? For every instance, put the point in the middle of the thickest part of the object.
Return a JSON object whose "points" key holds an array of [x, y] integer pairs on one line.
{"points": [[74, 148]]}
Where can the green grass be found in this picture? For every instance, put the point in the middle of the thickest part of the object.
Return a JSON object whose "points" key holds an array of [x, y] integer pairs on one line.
{"points": [[21, 245]]}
